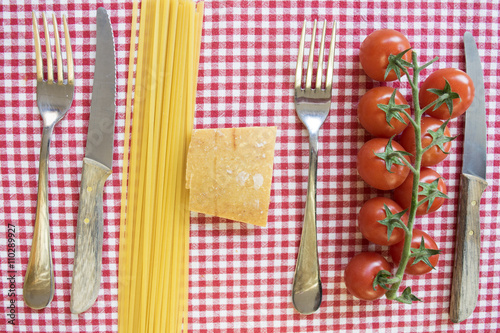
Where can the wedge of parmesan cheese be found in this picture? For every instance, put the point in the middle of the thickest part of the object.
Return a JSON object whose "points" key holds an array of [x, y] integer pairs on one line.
{"points": [[229, 172]]}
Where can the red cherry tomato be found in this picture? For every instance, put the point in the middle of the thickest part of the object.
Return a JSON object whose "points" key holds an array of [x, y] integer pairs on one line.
{"points": [[373, 211], [372, 169], [376, 49], [361, 272], [460, 83], [434, 155], [373, 119], [402, 194], [420, 267]]}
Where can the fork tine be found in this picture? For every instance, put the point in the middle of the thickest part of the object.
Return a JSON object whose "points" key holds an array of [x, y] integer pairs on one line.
{"points": [[38, 50], [331, 53], [311, 57], [300, 59], [319, 72], [48, 50], [58, 51], [69, 53]]}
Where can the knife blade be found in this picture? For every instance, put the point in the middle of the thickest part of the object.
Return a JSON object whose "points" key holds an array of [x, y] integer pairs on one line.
{"points": [[97, 166], [465, 281]]}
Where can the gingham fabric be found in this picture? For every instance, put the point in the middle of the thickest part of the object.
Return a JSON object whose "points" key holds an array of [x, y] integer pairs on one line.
{"points": [[241, 275]]}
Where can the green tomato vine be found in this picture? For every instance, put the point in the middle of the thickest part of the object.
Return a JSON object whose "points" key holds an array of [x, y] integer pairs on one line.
{"points": [[429, 191]]}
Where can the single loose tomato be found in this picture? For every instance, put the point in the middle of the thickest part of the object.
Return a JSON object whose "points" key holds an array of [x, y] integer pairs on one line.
{"points": [[420, 267], [373, 169], [374, 211], [361, 272], [375, 51], [402, 194], [374, 119], [459, 82], [434, 155]]}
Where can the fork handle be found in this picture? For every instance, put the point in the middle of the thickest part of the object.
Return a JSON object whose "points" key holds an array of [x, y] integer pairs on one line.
{"points": [[38, 288], [307, 290]]}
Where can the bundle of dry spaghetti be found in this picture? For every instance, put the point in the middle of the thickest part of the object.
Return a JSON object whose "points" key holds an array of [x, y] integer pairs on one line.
{"points": [[154, 228]]}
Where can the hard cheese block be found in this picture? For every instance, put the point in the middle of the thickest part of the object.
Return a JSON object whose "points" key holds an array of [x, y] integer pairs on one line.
{"points": [[229, 172]]}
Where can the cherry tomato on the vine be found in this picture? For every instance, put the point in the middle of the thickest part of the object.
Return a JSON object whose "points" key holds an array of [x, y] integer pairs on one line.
{"points": [[420, 267], [373, 168], [361, 272], [459, 82], [373, 211], [374, 119], [402, 194], [376, 49], [434, 155]]}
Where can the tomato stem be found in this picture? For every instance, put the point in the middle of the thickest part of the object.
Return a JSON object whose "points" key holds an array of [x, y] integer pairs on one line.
{"points": [[404, 227], [421, 202], [409, 165], [430, 105], [393, 280], [412, 121], [405, 257]]}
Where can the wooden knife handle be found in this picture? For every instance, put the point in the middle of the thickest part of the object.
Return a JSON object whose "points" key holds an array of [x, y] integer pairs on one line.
{"points": [[89, 237], [465, 283]]}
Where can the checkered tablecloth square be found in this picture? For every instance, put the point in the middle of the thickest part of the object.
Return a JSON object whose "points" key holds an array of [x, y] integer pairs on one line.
{"points": [[241, 275]]}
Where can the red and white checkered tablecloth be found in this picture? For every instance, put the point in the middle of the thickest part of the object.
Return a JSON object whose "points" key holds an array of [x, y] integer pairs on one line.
{"points": [[241, 275]]}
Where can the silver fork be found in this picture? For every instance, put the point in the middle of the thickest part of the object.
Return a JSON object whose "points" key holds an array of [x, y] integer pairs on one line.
{"points": [[54, 98], [312, 106]]}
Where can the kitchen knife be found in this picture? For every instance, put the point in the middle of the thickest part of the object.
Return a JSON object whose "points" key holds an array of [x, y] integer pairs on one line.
{"points": [[465, 283], [97, 166]]}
